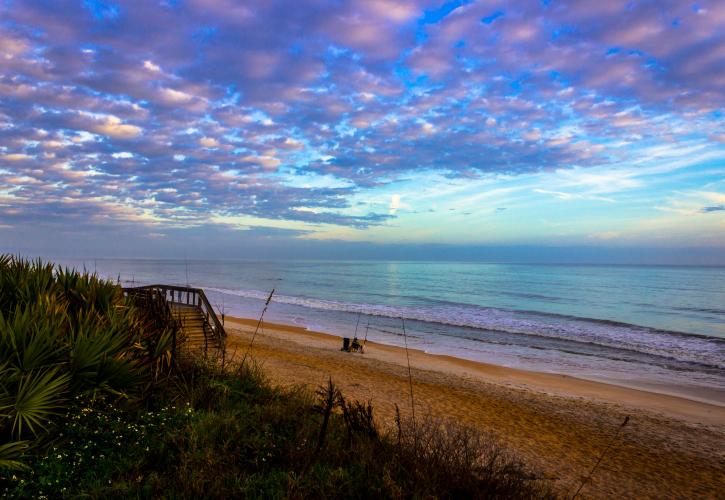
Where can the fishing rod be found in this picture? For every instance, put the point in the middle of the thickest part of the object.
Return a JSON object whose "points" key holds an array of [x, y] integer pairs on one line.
{"points": [[365, 341], [358, 321]]}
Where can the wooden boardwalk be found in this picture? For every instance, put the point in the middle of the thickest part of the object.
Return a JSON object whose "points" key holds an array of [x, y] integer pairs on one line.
{"points": [[194, 333], [197, 328]]}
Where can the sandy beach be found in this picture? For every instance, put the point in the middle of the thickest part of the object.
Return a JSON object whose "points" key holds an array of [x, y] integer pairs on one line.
{"points": [[672, 447]]}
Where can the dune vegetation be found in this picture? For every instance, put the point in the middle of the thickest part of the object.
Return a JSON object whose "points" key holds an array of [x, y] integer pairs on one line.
{"points": [[94, 403]]}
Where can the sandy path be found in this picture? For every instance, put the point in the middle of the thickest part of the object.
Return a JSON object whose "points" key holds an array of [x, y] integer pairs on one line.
{"points": [[672, 447]]}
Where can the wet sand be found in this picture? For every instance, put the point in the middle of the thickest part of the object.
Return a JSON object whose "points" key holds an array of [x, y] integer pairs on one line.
{"points": [[672, 447]]}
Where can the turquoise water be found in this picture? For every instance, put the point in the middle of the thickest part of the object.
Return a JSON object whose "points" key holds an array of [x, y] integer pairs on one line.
{"points": [[648, 326]]}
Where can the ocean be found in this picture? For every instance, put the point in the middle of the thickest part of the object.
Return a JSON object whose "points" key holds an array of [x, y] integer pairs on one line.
{"points": [[658, 328]]}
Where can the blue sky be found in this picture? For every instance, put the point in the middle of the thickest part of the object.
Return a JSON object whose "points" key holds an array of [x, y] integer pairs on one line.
{"points": [[135, 126]]}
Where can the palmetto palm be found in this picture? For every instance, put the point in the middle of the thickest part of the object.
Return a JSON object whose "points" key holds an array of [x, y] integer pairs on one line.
{"points": [[65, 334]]}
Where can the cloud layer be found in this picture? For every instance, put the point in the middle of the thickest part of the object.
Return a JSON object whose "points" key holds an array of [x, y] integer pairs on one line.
{"points": [[300, 115]]}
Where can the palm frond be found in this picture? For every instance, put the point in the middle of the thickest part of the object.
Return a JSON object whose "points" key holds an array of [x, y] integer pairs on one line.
{"points": [[10, 453], [39, 396]]}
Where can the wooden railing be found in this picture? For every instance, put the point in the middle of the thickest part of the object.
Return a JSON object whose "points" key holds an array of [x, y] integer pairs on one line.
{"points": [[156, 307], [194, 297]]}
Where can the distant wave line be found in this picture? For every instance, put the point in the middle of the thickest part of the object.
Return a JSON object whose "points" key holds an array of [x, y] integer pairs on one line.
{"points": [[685, 347]]}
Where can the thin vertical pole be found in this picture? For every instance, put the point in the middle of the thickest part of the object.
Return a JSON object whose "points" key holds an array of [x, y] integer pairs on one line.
{"points": [[410, 375]]}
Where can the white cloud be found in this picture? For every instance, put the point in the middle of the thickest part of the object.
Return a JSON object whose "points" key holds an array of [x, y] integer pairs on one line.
{"points": [[293, 143], [599, 182], [16, 157], [171, 96], [112, 126], [712, 197], [692, 203], [267, 162], [573, 196], [151, 66], [209, 142], [83, 136], [394, 204], [53, 144]]}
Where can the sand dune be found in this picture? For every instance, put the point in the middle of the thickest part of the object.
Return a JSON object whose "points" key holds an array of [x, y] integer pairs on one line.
{"points": [[672, 447]]}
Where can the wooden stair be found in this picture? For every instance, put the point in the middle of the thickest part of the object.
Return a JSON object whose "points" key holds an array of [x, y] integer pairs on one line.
{"points": [[197, 329], [195, 334]]}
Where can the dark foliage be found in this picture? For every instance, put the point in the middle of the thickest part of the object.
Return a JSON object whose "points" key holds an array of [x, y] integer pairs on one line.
{"points": [[205, 430]]}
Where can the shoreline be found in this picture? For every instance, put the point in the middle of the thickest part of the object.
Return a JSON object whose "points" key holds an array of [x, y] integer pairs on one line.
{"points": [[693, 409], [558, 424]]}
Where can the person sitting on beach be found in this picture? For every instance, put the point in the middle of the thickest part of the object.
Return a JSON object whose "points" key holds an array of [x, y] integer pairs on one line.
{"points": [[355, 346]]}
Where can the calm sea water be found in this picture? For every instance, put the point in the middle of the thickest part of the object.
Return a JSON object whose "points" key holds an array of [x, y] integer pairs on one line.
{"points": [[660, 328]]}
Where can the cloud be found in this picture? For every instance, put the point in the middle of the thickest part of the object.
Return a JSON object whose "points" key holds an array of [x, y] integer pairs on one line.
{"points": [[394, 204], [693, 204], [267, 162], [15, 157], [291, 111], [111, 126], [209, 142], [151, 66], [171, 96]]}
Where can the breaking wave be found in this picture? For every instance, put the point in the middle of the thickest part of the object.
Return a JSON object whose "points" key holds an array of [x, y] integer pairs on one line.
{"points": [[683, 347]]}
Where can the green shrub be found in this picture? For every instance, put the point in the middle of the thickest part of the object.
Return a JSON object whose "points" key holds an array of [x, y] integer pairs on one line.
{"points": [[65, 334], [98, 448], [252, 440]]}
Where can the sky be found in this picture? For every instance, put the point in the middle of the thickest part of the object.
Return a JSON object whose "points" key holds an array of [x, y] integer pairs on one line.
{"points": [[333, 128]]}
